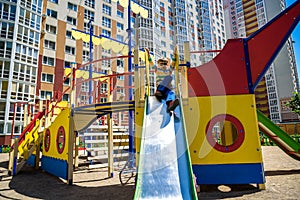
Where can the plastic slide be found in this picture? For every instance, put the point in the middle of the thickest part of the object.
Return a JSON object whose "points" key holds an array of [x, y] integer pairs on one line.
{"points": [[278, 136], [164, 170]]}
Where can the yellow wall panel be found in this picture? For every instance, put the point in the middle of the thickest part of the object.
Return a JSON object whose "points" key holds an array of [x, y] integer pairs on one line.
{"points": [[199, 112], [61, 120]]}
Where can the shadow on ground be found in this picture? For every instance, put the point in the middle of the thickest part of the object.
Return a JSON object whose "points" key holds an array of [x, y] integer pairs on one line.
{"points": [[37, 184], [225, 191], [4, 164], [282, 172]]}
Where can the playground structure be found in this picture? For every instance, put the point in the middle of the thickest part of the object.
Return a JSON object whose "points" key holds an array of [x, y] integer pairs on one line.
{"points": [[214, 136]]}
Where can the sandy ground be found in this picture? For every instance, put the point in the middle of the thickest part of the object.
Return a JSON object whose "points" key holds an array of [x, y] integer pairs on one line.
{"points": [[282, 182]]}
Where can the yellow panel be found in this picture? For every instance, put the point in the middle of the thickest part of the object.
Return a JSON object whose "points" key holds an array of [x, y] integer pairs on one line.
{"points": [[60, 106], [139, 117], [61, 120], [198, 113]]}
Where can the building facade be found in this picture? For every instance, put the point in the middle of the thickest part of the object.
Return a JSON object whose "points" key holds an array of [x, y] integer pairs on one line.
{"points": [[20, 24]]}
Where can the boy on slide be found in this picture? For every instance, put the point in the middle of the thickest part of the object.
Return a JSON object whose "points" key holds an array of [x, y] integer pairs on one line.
{"points": [[164, 79]]}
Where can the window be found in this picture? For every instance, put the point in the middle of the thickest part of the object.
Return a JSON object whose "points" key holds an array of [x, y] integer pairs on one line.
{"points": [[106, 51], [106, 22], [106, 9], [86, 27], [70, 50], [120, 38], [103, 88], [132, 21], [120, 14], [106, 33], [49, 44], [45, 94], [120, 26], [85, 55], [67, 81], [121, 78], [71, 20], [48, 61], [48, 78], [50, 29], [89, 14], [69, 35], [85, 87], [54, 1], [72, 6], [120, 90], [66, 97], [106, 63], [89, 3], [67, 64], [7, 29], [120, 63], [52, 13]]}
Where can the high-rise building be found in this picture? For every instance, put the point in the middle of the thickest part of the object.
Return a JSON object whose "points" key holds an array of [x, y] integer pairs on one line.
{"points": [[281, 80], [217, 24], [20, 25]]}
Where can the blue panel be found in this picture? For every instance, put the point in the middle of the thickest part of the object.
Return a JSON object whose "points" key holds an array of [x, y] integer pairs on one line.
{"points": [[230, 173], [55, 166], [31, 160], [183, 158]]}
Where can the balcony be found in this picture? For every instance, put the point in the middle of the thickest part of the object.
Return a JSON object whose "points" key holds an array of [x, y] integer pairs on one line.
{"points": [[248, 3]]}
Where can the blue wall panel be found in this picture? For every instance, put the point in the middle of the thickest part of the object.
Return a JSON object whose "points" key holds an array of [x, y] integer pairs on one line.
{"points": [[230, 173], [55, 166]]}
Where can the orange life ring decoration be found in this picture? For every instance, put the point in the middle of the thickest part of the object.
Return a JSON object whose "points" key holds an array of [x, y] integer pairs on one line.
{"points": [[47, 140], [60, 139]]}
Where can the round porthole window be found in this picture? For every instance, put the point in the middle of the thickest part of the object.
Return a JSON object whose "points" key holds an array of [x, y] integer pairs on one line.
{"points": [[60, 139], [225, 133], [47, 140]]}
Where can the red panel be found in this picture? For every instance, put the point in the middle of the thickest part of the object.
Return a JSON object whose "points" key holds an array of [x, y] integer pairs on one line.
{"points": [[59, 75], [225, 74], [263, 46], [39, 75]]}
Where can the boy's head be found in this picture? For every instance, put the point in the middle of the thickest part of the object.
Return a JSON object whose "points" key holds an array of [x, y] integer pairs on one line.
{"points": [[163, 61]]}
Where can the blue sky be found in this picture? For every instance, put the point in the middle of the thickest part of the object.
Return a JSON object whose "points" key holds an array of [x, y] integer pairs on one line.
{"points": [[296, 38]]}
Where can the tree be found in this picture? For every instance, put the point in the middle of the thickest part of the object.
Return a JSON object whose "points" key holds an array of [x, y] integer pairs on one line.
{"points": [[294, 103]]}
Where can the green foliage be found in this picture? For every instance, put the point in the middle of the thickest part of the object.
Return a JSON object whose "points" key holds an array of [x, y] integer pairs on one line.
{"points": [[294, 103]]}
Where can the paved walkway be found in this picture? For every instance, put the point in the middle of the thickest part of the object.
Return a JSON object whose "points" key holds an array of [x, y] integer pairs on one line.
{"points": [[282, 182]]}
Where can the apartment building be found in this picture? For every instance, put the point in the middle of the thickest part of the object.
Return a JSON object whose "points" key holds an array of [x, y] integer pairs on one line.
{"points": [[281, 80], [20, 25]]}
